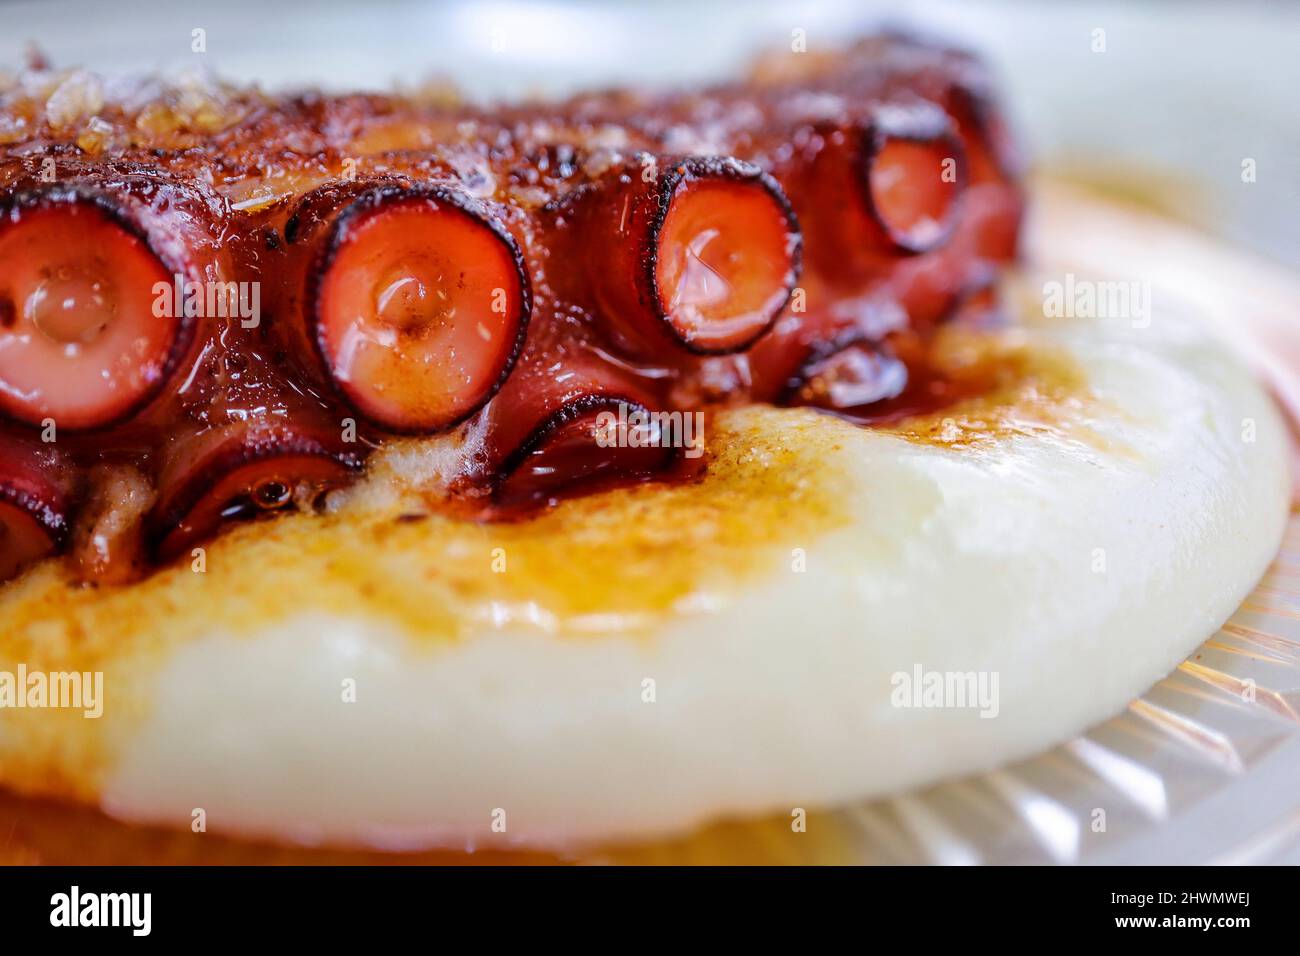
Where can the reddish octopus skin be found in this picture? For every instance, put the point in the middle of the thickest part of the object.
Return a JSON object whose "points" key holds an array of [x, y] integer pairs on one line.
{"points": [[270, 190], [35, 502]]}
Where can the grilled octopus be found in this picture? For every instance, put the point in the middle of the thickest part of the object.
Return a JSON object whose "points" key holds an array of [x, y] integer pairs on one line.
{"points": [[417, 265]]}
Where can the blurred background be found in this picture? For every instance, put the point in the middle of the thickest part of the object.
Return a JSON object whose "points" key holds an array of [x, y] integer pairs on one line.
{"points": [[1162, 101]]}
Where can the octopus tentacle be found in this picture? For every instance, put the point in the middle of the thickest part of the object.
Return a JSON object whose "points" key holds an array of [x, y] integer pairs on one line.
{"points": [[510, 274]]}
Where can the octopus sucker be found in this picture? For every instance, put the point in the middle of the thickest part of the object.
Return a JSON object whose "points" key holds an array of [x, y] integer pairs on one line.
{"points": [[698, 254], [410, 300], [560, 450], [87, 344], [35, 503], [543, 429], [237, 472]]}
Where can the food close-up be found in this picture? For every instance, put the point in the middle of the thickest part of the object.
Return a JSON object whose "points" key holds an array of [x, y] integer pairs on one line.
{"points": [[810, 455]]}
